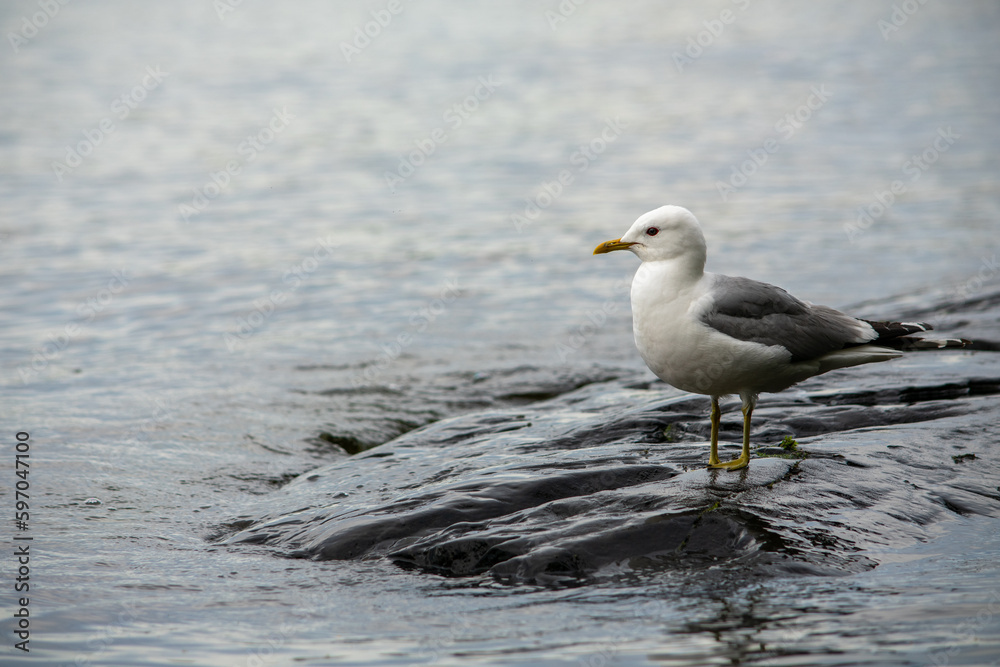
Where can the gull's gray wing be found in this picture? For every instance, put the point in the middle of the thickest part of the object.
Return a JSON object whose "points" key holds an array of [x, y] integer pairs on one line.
{"points": [[760, 313]]}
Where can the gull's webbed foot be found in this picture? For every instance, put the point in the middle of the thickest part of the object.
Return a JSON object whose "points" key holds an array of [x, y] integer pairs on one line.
{"points": [[735, 464]]}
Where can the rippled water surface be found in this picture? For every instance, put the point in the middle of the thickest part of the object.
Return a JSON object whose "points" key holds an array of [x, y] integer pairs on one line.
{"points": [[242, 242]]}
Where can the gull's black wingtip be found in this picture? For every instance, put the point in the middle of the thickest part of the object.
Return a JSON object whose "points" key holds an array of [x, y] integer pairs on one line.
{"points": [[898, 335], [889, 330]]}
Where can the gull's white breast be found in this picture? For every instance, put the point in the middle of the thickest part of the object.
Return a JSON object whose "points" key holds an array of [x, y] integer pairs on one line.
{"points": [[687, 354]]}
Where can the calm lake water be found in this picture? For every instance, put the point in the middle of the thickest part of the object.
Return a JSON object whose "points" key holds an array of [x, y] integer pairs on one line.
{"points": [[228, 227]]}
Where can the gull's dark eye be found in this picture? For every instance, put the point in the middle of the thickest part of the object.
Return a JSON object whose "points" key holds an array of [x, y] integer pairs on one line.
{"points": [[652, 231]]}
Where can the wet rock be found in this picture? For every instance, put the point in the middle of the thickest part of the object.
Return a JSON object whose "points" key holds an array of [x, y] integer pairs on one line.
{"points": [[565, 492], [572, 479], [379, 413]]}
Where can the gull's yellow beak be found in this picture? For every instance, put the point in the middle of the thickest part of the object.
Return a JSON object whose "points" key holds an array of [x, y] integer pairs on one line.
{"points": [[608, 246]]}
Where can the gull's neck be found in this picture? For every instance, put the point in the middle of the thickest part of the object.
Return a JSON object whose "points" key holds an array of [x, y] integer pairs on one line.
{"points": [[667, 279]]}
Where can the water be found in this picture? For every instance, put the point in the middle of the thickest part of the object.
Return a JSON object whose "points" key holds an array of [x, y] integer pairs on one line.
{"points": [[177, 336]]}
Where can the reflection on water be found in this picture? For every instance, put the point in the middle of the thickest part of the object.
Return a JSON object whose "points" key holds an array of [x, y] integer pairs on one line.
{"points": [[228, 228]]}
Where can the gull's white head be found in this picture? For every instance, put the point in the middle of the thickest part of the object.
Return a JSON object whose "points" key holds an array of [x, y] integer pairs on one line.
{"points": [[667, 233]]}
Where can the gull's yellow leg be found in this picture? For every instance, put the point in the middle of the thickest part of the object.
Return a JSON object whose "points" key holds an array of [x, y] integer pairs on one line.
{"points": [[713, 457], [744, 460]]}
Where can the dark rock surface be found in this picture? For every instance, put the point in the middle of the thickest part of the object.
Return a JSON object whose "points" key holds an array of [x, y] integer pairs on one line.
{"points": [[579, 480]]}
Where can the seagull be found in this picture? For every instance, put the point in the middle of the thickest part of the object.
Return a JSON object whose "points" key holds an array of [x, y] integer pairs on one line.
{"points": [[719, 335]]}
